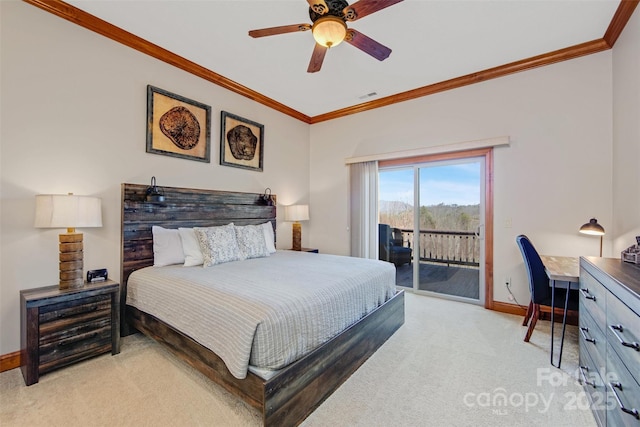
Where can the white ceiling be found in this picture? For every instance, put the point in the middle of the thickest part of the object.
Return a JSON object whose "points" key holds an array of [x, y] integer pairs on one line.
{"points": [[432, 41]]}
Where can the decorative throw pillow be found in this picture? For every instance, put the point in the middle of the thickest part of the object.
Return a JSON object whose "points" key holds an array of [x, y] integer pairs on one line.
{"points": [[167, 247], [190, 247], [218, 244], [269, 237], [251, 241]]}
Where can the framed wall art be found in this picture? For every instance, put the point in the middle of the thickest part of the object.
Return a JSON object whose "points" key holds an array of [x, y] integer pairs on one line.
{"points": [[177, 126], [241, 142]]}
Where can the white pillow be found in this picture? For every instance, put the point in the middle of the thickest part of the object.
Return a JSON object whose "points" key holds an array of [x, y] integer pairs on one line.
{"points": [[190, 247], [218, 244], [269, 237], [167, 247], [251, 241]]}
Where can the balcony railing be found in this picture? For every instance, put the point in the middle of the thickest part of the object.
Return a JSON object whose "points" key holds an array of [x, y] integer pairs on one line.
{"points": [[446, 247]]}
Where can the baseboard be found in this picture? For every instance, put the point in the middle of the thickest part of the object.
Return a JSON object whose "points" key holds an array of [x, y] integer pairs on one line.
{"points": [[505, 307], [10, 361]]}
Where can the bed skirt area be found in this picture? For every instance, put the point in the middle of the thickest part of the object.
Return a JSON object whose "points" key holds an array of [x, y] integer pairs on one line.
{"points": [[288, 397]]}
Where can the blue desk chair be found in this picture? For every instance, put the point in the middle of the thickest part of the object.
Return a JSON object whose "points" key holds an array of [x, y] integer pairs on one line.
{"points": [[540, 288], [391, 246]]}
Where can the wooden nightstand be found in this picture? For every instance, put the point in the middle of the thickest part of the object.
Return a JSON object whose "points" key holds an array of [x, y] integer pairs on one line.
{"points": [[59, 327]]}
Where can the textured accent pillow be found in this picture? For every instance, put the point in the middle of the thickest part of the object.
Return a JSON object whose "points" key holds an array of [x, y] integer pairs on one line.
{"points": [[251, 241], [218, 244], [269, 237], [167, 247], [190, 247]]}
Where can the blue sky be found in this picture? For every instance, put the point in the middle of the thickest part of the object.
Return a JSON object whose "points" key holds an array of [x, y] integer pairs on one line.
{"points": [[448, 184]]}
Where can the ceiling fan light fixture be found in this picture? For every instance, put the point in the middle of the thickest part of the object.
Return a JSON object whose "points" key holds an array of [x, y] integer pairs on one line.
{"points": [[329, 31]]}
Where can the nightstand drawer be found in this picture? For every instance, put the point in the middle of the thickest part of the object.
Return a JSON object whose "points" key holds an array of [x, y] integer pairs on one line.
{"points": [[61, 331], [65, 311], [63, 352], [72, 331]]}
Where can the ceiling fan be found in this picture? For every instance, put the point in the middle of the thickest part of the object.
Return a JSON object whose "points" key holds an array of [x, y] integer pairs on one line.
{"points": [[329, 28]]}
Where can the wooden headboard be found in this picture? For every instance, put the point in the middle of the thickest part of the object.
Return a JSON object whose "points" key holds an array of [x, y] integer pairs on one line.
{"points": [[182, 207]]}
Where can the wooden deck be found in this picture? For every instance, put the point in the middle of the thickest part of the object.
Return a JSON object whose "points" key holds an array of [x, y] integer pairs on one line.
{"points": [[457, 281]]}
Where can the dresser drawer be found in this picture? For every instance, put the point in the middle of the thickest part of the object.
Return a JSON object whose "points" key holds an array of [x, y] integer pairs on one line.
{"points": [[593, 298], [624, 392], [594, 386], [593, 339], [623, 333]]}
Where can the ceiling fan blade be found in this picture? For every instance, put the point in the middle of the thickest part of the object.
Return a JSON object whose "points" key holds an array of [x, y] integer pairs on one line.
{"points": [[318, 6], [316, 58], [367, 45], [279, 30], [362, 8]]}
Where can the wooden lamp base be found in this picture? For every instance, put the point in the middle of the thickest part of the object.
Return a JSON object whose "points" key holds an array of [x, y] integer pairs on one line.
{"points": [[297, 236], [71, 267]]}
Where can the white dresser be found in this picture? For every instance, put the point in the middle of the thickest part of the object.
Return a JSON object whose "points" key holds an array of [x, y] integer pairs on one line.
{"points": [[610, 339]]}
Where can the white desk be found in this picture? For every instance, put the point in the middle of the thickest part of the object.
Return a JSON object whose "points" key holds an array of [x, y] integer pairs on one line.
{"points": [[563, 272]]}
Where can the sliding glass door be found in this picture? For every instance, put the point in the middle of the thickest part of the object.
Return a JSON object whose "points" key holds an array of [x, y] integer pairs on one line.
{"points": [[444, 234]]}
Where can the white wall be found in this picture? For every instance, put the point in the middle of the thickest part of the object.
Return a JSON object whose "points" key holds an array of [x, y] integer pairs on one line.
{"points": [[73, 114], [555, 175], [626, 136], [73, 111]]}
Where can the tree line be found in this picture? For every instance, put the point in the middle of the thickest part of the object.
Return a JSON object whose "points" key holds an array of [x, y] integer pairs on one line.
{"points": [[435, 217]]}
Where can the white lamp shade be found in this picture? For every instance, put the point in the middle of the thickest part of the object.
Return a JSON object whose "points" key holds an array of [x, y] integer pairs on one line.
{"points": [[296, 213], [67, 211]]}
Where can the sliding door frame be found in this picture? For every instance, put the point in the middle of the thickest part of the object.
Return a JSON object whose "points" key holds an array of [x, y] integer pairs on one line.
{"points": [[487, 154]]}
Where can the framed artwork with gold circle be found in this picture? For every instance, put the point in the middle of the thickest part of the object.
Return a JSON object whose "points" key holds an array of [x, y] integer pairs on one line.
{"points": [[177, 126], [241, 142]]}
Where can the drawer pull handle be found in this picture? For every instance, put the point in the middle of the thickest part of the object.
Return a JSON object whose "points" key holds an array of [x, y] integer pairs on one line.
{"points": [[633, 411], [74, 340], [584, 377], [618, 327], [587, 295], [63, 315], [583, 332]]}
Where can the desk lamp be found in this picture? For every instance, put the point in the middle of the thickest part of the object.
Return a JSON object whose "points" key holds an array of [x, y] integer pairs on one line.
{"points": [[594, 229]]}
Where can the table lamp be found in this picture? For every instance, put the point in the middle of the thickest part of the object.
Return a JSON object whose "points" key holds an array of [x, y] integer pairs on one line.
{"points": [[594, 229], [69, 211], [296, 213]]}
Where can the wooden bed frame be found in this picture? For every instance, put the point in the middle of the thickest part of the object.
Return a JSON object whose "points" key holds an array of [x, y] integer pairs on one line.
{"points": [[297, 390]]}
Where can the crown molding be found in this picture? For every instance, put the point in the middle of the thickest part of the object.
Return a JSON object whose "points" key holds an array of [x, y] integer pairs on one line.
{"points": [[469, 79], [97, 25], [619, 21], [90, 22]]}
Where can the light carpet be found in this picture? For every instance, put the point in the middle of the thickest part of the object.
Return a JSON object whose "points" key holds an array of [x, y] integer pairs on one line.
{"points": [[451, 364]]}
